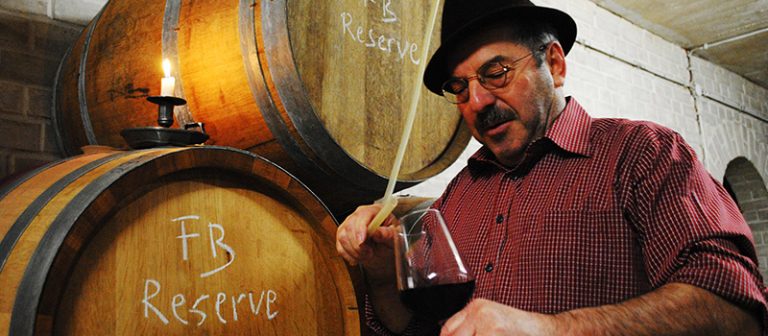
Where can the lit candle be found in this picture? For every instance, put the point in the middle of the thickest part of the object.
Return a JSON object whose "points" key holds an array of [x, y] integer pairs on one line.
{"points": [[168, 83]]}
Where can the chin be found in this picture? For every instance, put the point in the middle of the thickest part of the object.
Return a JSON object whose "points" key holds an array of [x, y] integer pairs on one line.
{"points": [[505, 152], [505, 155]]}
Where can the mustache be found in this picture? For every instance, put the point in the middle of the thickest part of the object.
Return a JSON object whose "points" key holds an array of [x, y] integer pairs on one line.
{"points": [[491, 116]]}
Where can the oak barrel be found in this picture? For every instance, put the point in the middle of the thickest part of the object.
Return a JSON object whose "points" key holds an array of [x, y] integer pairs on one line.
{"points": [[182, 241], [322, 88]]}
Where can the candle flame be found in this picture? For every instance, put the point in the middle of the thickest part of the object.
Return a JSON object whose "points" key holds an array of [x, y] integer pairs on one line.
{"points": [[167, 67]]}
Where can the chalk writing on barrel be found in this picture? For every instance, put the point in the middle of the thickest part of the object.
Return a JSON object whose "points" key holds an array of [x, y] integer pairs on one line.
{"points": [[371, 38], [266, 300], [215, 243], [387, 14], [263, 301]]}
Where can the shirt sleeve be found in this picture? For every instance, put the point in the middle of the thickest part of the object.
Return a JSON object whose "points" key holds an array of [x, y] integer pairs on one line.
{"points": [[690, 229]]}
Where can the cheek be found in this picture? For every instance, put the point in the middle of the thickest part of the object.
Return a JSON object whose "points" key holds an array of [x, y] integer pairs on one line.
{"points": [[469, 118], [517, 94]]}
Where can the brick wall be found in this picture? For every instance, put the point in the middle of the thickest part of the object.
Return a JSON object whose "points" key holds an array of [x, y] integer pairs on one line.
{"points": [[30, 50], [75, 11], [752, 196]]}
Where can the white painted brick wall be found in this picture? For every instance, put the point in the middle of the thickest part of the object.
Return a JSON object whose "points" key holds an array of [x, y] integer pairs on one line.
{"points": [[607, 87], [726, 86], [601, 29], [73, 11], [731, 134], [39, 7], [76, 11], [728, 132]]}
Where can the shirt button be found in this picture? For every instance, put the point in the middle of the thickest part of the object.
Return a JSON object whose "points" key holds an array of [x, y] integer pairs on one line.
{"points": [[499, 218], [489, 268]]}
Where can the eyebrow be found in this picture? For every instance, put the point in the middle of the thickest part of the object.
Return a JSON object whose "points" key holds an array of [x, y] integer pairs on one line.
{"points": [[496, 59]]}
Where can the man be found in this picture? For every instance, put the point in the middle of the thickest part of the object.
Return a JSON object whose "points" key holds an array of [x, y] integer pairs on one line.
{"points": [[571, 225]]}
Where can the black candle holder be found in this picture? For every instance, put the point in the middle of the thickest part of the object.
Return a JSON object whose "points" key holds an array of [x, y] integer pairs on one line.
{"points": [[163, 135]]}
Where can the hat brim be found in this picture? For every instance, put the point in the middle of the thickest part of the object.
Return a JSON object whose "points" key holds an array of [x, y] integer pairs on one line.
{"points": [[436, 72]]}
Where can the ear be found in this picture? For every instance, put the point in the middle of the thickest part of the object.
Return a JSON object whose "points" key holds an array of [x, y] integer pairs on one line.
{"points": [[556, 60]]}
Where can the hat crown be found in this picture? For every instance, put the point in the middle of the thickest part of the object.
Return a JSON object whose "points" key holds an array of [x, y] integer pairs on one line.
{"points": [[459, 13], [463, 17]]}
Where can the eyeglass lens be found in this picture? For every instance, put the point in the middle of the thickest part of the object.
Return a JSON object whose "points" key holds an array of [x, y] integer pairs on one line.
{"points": [[491, 76]]}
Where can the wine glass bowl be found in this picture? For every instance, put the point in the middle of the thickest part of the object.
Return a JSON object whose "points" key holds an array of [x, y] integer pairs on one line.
{"points": [[431, 276]]}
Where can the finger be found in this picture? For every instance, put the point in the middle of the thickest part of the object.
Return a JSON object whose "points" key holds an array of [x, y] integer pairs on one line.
{"points": [[454, 325], [365, 216], [345, 252], [385, 235], [346, 244], [360, 228], [387, 228], [342, 251], [352, 232], [349, 244], [391, 220], [465, 329]]}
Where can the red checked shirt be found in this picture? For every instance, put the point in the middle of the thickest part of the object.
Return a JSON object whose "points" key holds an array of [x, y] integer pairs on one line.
{"points": [[600, 211]]}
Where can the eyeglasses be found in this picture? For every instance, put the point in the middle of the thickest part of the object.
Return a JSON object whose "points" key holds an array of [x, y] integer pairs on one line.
{"points": [[492, 75]]}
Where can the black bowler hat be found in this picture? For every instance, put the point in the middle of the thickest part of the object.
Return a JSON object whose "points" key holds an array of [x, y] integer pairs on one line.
{"points": [[461, 17]]}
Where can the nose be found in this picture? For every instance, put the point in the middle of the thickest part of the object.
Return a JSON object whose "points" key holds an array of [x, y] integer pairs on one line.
{"points": [[479, 96]]}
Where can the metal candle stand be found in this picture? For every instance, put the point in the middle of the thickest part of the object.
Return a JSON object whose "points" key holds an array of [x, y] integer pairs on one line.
{"points": [[163, 135]]}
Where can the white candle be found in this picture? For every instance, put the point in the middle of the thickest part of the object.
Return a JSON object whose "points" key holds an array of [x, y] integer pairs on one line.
{"points": [[168, 83]]}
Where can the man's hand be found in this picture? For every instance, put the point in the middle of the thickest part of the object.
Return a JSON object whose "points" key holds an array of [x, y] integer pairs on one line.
{"points": [[376, 255], [482, 317], [355, 246]]}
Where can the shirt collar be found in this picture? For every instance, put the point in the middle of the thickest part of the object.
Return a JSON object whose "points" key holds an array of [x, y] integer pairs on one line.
{"points": [[570, 132], [571, 129]]}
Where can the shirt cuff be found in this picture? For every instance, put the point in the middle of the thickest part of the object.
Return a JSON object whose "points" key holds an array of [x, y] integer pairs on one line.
{"points": [[718, 267]]}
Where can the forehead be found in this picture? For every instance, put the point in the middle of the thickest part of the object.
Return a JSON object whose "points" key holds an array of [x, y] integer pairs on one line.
{"points": [[482, 54], [478, 44]]}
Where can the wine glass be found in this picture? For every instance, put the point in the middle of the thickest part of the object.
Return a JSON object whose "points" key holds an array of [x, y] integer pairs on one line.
{"points": [[431, 277]]}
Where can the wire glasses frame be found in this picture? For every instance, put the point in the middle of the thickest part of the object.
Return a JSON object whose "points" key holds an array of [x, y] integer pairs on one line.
{"points": [[492, 75]]}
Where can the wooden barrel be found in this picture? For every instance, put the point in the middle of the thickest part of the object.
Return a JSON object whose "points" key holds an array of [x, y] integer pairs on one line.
{"points": [[322, 88], [192, 241]]}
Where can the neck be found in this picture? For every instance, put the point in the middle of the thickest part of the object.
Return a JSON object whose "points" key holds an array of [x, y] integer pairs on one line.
{"points": [[556, 107]]}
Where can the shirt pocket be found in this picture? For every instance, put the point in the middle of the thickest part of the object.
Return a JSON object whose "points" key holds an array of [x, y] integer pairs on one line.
{"points": [[581, 258]]}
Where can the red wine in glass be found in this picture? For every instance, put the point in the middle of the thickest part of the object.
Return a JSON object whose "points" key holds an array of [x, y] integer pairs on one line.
{"points": [[431, 277], [439, 302]]}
